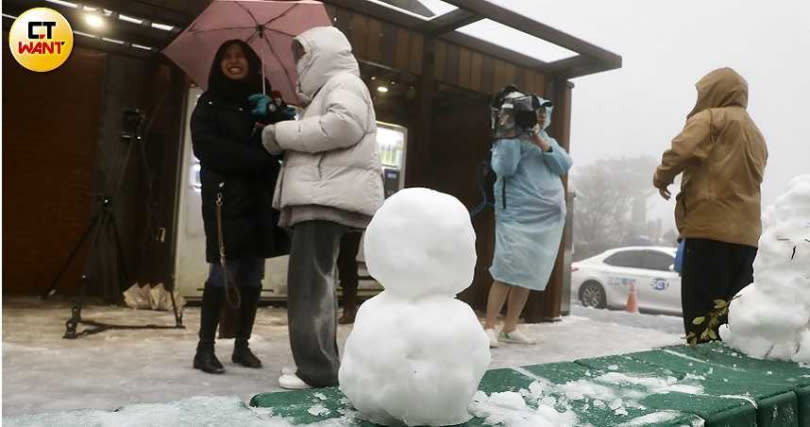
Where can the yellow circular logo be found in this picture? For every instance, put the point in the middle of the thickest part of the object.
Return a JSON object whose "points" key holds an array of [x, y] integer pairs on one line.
{"points": [[41, 39]]}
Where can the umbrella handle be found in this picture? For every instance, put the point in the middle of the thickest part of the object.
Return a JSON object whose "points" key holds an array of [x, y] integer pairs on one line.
{"points": [[264, 81], [260, 30]]}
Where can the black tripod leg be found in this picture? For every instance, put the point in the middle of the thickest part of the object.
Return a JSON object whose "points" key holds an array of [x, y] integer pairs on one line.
{"points": [[76, 310], [90, 228], [120, 262], [178, 316], [75, 315]]}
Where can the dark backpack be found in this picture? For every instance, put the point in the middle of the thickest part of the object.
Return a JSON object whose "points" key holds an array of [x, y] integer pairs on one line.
{"points": [[486, 187]]}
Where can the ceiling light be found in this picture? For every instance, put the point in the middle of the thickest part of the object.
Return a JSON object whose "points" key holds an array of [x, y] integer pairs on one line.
{"points": [[79, 33], [382, 89], [113, 41], [130, 19], [163, 27], [94, 20], [63, 3]]}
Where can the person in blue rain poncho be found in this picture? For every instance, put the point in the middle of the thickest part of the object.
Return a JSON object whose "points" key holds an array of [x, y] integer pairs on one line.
{"points": [[529, 214]]}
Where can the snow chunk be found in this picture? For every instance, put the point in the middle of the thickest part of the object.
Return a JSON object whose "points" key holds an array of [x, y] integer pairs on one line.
{"points": [[318, 411], [509, 409], [654, 418]]}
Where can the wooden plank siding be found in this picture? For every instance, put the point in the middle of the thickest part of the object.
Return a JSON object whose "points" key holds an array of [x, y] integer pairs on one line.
{"points": [[464, 65], [416, 45], [389, 45], [375, 36]]}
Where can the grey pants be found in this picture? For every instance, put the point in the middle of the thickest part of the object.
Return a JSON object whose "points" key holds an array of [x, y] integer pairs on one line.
{"points": [[311, 303]]}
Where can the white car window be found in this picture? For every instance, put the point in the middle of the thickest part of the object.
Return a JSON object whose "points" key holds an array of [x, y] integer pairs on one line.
{"points": [[654, 260], [628, 259]]}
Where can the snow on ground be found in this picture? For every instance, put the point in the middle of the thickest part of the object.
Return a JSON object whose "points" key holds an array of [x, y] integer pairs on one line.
{"points": [[42, 372], [659, 322]]}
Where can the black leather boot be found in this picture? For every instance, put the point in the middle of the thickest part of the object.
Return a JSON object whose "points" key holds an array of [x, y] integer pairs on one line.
{"points": [[247, 315], [205, 359]]}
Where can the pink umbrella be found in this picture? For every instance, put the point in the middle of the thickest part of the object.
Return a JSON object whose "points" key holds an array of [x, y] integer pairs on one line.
{"points": [[266, 25]]}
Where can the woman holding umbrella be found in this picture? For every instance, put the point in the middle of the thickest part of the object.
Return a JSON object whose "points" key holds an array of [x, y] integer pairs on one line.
{"points": [[238, 178]]}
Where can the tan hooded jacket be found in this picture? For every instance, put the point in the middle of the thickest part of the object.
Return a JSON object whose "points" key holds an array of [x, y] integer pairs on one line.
{"points": [[722, 155]]}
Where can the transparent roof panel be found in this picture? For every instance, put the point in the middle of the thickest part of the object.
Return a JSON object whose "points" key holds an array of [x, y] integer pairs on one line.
{"points": [[422, 9], [517, 41], [438, 7]]}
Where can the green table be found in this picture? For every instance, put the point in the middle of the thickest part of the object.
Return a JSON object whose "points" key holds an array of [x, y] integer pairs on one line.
{"points": [[734, 390]]}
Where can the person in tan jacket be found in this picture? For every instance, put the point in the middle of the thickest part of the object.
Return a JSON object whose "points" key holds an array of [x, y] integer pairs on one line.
{"points": [[722, 156]]}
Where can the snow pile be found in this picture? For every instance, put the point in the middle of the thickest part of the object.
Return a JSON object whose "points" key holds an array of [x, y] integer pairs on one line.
{"points": [[509, 409], [416, 354], [552, 404], [769, 319], [613, 391], [655, 418]]}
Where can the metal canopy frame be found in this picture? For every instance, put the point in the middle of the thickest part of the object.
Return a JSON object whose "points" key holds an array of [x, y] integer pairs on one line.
{"points": [[590, 58]]}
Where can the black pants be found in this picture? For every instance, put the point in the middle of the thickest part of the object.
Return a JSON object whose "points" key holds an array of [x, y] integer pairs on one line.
{"points": [[311, 305], [712, 270], [347, 266]]}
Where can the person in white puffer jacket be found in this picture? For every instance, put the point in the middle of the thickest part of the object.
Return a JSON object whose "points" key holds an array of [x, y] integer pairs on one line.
{"points": [[330, 184]]}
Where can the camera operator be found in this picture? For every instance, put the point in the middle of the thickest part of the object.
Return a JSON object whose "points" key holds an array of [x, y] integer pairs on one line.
{"points": [[529, 207]]}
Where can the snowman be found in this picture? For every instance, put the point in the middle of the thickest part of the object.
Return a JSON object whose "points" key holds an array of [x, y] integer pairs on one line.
{"points": [[771, 317], [416, 354]]}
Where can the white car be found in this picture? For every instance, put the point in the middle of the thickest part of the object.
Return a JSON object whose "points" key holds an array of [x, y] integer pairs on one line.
{"points": [[604, 281]]}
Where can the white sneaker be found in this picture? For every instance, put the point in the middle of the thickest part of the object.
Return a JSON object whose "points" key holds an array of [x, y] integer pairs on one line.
{"points": [[493, 338], [515, 337], [292, 382], [289, 370]]}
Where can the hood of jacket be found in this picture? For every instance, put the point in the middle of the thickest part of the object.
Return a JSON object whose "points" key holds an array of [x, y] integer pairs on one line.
{"points": [[723, 87], [327, 53]]}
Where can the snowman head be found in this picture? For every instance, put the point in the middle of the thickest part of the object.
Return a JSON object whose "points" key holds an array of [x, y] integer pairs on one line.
{"points": [[421, 243]]}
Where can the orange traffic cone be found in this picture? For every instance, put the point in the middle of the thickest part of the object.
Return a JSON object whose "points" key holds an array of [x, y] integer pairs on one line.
{"points": [[632, 304]]}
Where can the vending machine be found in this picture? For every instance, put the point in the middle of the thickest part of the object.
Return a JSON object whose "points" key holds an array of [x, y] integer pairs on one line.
{"points": [[190, 267], [392, 142]]}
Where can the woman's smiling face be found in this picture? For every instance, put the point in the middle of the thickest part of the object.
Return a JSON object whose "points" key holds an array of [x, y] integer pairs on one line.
{"points": [[234, 63]]}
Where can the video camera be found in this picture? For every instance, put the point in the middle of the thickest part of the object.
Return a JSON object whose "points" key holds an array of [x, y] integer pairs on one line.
{"points": [[515, 113]]}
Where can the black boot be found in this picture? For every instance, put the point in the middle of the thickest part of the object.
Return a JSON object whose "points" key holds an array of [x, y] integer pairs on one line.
{"points": [[205, 359], [247, 315]]}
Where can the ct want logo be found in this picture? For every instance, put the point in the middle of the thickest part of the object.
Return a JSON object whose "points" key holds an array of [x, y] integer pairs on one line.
{"points": [[41, 39]]}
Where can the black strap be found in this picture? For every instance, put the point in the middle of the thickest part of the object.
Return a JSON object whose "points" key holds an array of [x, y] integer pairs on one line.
{"points": [[232, 294]]}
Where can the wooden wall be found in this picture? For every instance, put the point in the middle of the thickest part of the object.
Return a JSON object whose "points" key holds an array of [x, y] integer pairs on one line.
{"points": [[61, 152], [50, 127]]}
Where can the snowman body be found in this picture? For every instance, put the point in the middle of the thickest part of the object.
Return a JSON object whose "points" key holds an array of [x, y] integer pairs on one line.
{"points": [[416, 354]]}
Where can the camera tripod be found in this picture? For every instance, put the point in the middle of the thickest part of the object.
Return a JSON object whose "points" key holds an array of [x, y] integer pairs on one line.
{"points": [[103, 225]]}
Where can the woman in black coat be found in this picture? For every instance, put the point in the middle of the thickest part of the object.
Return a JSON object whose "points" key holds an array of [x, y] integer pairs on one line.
{"points": [[239, 175]]}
